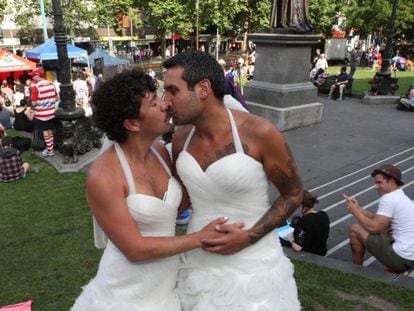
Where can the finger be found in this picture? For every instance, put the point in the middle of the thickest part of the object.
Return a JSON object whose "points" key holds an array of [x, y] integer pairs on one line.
{"points": [[226, 228], [212, 242], [239, 225], [213, 249], [221, 220]]}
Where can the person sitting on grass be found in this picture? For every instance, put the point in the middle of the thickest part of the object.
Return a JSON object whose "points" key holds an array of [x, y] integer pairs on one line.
{"points": [[312, 229], [11, 165], [340, 83]]}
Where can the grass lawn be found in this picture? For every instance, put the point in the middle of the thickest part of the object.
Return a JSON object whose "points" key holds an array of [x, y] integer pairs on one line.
{"points": [[363, 75], [47, 252]]}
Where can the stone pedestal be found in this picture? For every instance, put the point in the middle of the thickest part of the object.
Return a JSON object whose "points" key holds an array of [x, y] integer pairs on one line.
{"points": [[280, 90]]}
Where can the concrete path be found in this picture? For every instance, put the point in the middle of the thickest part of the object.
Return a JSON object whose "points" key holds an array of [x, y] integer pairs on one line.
{"points": [[338, 155]]}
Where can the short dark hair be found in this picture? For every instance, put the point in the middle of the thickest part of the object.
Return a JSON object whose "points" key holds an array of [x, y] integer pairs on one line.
{"points": [[7, 141], [197, 66], [309, 200], [119, 99]]}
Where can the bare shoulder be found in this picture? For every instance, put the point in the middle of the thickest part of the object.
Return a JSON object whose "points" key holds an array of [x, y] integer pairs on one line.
{"points": [[104, 170], [255, 127]]}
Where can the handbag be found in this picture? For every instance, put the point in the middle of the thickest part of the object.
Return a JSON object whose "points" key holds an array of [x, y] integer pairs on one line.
{"points": [[38, 143]]}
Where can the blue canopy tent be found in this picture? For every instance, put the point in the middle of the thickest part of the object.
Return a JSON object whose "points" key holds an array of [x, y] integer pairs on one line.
{"points": [[48, 51], [108, 59], [111, 64]]}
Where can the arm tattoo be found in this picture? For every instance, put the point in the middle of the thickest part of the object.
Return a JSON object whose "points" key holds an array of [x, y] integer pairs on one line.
{"points": [[284, 206], [274, 217]]}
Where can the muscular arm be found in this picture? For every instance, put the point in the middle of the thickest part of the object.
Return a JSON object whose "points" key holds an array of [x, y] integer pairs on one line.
{"points": [[281, 170], [373, 223]]}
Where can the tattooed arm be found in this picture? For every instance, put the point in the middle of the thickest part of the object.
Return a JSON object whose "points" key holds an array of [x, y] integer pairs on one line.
{"points": [[281, 170]]}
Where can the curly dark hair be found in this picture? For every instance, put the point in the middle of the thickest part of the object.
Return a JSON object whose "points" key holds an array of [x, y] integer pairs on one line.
{"points": [[119, 99], [198, 66]]}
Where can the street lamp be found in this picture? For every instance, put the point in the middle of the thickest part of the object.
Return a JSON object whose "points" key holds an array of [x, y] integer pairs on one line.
{"points": [[76, 135], [197, 22]]}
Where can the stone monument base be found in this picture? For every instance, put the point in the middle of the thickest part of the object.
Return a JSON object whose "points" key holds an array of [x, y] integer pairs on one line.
{"points": [[289, 117], [280, 90], [380, 99]]}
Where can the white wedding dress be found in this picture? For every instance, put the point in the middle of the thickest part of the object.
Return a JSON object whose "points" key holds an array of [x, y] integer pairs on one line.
{"points": [[260, 277], [121, 285]]}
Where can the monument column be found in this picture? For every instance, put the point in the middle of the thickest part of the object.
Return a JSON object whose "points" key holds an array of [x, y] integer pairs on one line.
{"points": [[281, 91]]}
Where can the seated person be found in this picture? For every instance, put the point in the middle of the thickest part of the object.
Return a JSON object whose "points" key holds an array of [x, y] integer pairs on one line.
{"points": [[23, 117], [320, 77], [11, 165], [408, 101], [341, 82], [5, 116], [312, 229], [388, 234]]}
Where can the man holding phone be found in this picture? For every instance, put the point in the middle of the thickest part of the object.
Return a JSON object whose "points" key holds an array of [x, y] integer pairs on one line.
{"points": [[389, 234]]}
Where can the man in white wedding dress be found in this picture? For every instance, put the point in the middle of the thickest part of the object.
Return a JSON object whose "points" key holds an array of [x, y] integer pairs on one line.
{"points": [[225, 159]]}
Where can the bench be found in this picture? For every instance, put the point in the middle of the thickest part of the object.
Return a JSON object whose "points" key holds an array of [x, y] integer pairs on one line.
{"points": [[326, 86]]}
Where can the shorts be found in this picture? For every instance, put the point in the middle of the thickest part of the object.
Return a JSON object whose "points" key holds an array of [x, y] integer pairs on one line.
{"points": [[380, 246], [45, 125]]}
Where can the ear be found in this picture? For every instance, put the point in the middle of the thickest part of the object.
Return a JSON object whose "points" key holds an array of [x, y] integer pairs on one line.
{"points": [[204, 87], [132, 125]]}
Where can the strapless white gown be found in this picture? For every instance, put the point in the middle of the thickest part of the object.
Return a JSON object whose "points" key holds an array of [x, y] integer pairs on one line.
{"points": [[260, 277], [121, 285]]}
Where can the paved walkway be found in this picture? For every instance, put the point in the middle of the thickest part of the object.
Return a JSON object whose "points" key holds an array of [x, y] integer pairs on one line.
{"points": [[338, 155]]}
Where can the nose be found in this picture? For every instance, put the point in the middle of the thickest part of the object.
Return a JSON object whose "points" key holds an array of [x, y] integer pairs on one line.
{"points": [[164, 105]]}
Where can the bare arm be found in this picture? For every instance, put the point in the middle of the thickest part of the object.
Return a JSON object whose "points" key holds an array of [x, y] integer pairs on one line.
{"points": [[106, 192], [373, 223]]}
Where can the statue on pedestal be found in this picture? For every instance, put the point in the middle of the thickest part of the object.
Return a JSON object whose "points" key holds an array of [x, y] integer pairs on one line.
{"points": [[291, 15]]}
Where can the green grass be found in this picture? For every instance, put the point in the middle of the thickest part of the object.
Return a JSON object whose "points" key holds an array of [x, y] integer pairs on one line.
{"points": [[363, 75], [47, 252]]}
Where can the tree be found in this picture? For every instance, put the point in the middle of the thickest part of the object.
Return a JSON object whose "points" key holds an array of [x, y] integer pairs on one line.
{"points": [[360, 14], [322, 14]]}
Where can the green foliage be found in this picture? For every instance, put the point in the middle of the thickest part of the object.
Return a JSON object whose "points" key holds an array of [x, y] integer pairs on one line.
{"points": [[322, 14], [362, 77]]}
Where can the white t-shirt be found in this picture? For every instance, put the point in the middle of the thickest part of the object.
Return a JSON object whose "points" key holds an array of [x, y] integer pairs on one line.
{"points": [[397, 206]]}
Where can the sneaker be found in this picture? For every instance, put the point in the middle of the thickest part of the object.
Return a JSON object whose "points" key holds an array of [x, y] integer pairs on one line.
{"points": [[184, 217], [329, 97], [340, 98]]}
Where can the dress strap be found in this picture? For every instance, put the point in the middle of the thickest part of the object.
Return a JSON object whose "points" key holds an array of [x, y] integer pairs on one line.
{"points": [[190, 135], [125, 168], [159, 157], [236, 138]]}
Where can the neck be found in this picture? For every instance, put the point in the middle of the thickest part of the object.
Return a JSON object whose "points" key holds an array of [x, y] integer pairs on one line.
{"points": [[136, 148], [213, 121]]}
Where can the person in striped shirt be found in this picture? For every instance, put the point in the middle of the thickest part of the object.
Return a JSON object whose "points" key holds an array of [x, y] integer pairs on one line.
{"points": [[44, 97]]}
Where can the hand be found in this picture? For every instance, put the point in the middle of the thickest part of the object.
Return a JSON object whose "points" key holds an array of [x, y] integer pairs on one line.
{"points": [[352, 205], [209, 231], [234, 240]]}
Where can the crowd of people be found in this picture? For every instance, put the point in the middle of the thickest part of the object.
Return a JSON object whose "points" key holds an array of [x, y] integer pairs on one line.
{"points": [[30, 105]]}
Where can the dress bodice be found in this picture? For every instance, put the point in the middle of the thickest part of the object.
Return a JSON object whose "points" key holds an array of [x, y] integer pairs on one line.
{"points": [[235, 185]]}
